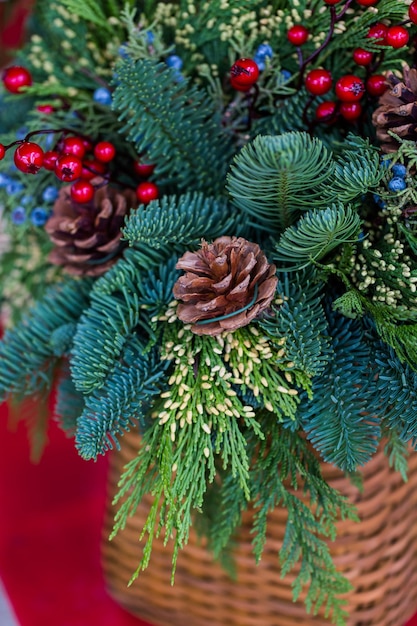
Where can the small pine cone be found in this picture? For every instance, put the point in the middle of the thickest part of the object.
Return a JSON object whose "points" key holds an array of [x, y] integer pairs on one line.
{"points": [[397, 110], [222, 278], [87, 236]]}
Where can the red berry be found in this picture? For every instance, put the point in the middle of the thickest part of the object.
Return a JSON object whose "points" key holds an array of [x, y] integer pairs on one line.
{"points": [[366, 3], [297, 35], [74, 146], [412, 12], [243, 74], [350, 110], [145, 192], [378, 31], [361, 56], [45, 108], [88, 145], [82, 191], [325, 111], [318, 82], [143, 169], [349, 88], [68, 168], [2, 151], [92, 168], [376, 85], [397, 37], [28, 157], [105, 151], [50, 159], [16, 77], [331, 2]]}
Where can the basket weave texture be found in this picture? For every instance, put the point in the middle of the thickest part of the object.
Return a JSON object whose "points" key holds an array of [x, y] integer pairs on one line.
{"points": [[378, 555]]}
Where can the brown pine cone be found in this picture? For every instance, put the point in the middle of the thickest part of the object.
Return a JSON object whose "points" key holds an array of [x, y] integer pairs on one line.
{"points": [[397, 110], [221, 279], [87, 236]]}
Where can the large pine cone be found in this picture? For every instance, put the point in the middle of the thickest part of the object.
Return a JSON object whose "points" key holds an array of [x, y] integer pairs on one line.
{"points": [[87, 236], [222, 278], [397, 111]]}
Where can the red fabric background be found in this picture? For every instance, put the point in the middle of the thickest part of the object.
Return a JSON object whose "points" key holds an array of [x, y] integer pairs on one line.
{"points": [[50, 529]]}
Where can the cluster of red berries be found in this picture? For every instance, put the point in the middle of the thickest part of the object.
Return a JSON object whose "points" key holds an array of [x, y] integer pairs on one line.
{"points": [[75, 160]]}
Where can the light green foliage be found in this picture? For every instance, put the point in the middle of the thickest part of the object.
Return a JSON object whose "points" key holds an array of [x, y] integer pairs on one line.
{"points": [[181, 220], [179, 132], [315, 235], [291, 169]]}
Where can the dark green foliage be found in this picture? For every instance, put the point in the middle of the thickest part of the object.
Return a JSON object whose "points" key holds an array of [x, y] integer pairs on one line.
{"points": [[291, 169], [180, 131], [179, 220], [301, 321], [397, 391], [341, 420], [123, 401], [27, 356], [61, 338], [122, 303], [317, 233], [69, 403]]}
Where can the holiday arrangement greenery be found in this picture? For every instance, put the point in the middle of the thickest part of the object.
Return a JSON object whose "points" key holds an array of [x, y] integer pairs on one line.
{"points": [[210, 211]]}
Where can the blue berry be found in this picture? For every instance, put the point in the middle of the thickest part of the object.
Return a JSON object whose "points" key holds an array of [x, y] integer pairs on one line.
{"points": [[102, 96], [22, 132], [14, 186], [264, 50], [379, 201], [26, 200], [399, 170], [123, 51], [4, 179], [50, 193], [174, 61], [150, 37], [260, 62], [286, 74], [38, 216], [397, 184], [18, 215], [386, 163]]}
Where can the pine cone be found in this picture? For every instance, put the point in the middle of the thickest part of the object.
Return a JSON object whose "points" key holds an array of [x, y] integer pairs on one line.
{"points": [[397, 110], [87, 236], [222, 278]]}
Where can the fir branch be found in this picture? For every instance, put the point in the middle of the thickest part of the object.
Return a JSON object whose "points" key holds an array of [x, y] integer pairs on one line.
{"points": [[90, 11], [122, 402], [315, 235], [300, 325], [274, 178], [27, 357], [69, 403], [341, 420], [183, 220], [180, 132], [357, 170]]}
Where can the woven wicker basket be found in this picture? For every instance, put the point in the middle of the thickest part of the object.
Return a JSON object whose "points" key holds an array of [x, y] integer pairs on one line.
{"points": [[378, 555]]}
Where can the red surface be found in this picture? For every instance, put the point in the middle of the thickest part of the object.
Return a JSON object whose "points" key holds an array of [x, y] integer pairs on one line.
{"points": [[50, 528]]}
